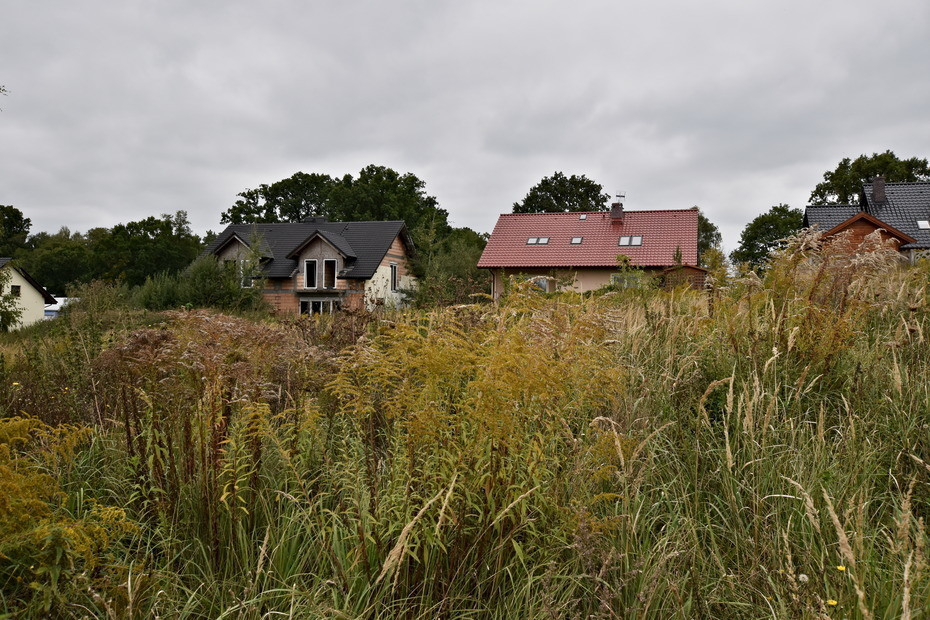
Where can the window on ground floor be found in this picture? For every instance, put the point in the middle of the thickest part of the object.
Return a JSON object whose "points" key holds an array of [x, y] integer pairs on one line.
{"points": [[393, 276], [320, 306]]}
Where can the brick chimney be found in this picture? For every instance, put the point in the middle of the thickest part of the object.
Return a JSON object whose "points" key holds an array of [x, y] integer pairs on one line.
{"points": [[878, 190], [616, 209]]}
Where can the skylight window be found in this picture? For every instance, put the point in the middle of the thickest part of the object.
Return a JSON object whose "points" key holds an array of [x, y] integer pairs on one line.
{"points": [[635, 240], [543, 240], [923, 224], [532, 241], [577, 240], [583, 216]]}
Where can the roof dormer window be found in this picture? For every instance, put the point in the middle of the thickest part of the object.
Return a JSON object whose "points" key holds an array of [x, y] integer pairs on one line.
{"points": [[577, 240], [923, 224]]}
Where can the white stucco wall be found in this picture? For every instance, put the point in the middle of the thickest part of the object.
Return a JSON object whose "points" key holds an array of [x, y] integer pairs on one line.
{"points": [[379, 287]]}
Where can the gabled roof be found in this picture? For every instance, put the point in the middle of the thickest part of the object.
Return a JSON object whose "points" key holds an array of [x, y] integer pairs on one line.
{"points": [[904, 204], [364, 244], [877, 223], [46, 296], [662, 233], [338, 242]]}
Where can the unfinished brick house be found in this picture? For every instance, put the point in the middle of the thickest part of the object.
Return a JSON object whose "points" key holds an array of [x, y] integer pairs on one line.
{"points": [[317, 266], [899, 211], [581, 249]]}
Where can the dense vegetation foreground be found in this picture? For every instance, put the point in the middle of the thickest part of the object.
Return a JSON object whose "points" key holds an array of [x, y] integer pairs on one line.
{"points": [[762, 451]]}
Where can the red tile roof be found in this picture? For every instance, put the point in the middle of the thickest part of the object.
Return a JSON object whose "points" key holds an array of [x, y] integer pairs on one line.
{"points": [[662, 233]]}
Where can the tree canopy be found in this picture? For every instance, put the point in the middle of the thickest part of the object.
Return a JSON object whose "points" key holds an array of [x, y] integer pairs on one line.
{"points": [[14, 228], [377, 193], [843, 185], [292, 199], [763, 234], [558, 194], [709, 236]]}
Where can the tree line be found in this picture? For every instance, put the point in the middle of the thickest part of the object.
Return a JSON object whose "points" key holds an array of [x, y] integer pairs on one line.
{"points": [[446, 256]]}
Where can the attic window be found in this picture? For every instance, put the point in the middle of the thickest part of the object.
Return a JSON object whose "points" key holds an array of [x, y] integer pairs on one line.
{"points": [[577, 240], [923, 224], [583, 216], [532, 241], [637, 240]]}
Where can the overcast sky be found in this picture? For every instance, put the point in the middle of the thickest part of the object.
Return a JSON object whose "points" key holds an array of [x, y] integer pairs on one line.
{"points": [[121, 110]]}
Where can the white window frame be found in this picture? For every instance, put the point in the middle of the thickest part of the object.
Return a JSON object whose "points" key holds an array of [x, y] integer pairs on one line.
{"points": [[636, 240], [532, 241], [623, 241], [395, 280], [923, 224], [577, 240], [335, 270], [315, 273], [543, 241], [583, 216]]}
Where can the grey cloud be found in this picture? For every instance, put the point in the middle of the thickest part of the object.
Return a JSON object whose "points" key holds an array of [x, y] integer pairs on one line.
{"points": [[118, 112]]}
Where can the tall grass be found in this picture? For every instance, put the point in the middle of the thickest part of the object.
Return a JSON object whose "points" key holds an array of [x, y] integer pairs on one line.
{"points": [[758, 451]]}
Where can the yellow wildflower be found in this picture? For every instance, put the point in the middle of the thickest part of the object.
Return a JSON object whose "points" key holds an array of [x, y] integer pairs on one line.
{"points": [[16, 383], [831, 602], [841, 568]]}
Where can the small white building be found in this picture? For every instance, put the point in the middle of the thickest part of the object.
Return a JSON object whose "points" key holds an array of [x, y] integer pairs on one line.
{"points": [[31, 296]]}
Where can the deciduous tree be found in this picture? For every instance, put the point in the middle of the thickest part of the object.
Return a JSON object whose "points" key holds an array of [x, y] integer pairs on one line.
{"points": [[292, 199], [558, 193], [708, 236], [763, 234], [14, 228]]}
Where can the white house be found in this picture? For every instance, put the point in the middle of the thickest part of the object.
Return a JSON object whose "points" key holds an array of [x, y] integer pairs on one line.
{"points": [[31, 296]]}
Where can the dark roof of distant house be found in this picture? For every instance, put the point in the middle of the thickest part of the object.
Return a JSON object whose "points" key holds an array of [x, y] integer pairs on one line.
{"points": [[28, 278], [662, 232], [827, 217], [904, 205], [364, 244]]}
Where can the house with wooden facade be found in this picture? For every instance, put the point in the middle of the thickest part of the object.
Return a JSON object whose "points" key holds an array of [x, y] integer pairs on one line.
{"points": [[900, 212], [317, 266], [31, 297], [581, 249]]}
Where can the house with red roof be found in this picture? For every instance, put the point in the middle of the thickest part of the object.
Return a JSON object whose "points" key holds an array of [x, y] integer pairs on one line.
{"points": [[582, 248]]}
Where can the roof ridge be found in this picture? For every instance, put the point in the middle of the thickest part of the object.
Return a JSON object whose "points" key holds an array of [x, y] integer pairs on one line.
{"points": [[603, 212]]}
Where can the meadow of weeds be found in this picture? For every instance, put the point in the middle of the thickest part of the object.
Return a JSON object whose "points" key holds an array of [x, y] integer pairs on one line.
{"points": [[758, 451]]}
